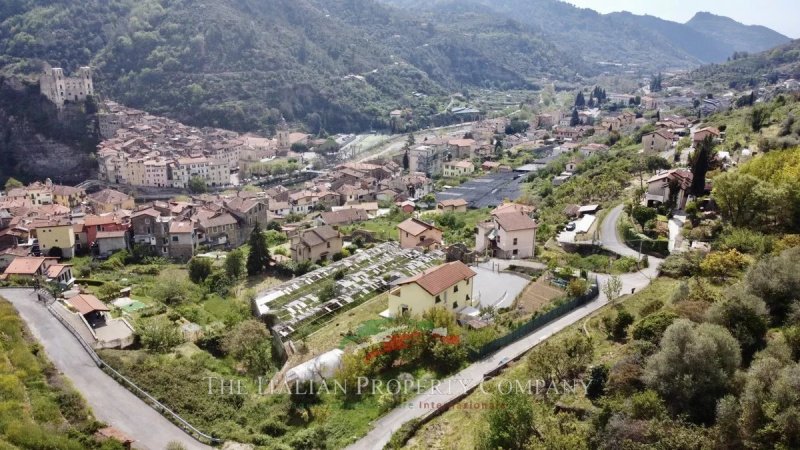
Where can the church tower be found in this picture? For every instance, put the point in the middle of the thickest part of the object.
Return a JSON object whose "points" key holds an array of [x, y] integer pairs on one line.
{"points": [[283, 135]]}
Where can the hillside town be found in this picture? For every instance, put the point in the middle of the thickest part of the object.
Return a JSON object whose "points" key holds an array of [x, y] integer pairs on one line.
{"points": [[438, 252]]}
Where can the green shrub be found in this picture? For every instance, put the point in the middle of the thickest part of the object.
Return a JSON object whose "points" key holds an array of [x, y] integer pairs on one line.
{"points": [[158, 335], [685, 264], [652, 327], [744, 240], [403, 434], [620, 324], [651, 307], [149, 269], [327, 291], [625, 264]]}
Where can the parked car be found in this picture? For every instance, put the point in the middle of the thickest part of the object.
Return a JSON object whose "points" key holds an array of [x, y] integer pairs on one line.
{"points": [[570, 226]]}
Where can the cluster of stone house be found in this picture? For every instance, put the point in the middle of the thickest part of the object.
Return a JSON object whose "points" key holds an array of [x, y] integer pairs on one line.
{"points": [[140, 149], [452, 156], [52, 221], [177, 229]]}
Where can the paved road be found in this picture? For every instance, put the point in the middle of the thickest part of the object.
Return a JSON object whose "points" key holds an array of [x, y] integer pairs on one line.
{"points": [[110, 402], [450, 388], [609, 237]]}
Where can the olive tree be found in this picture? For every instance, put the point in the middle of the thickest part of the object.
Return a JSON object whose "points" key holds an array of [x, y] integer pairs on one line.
{"points": [[693, 368]]}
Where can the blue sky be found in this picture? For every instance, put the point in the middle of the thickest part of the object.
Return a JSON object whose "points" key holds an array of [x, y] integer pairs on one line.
{"points": [[780, 15]]}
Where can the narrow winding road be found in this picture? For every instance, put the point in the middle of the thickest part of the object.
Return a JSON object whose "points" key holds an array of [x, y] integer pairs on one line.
{"points": [[110, 402], [452, 387]]}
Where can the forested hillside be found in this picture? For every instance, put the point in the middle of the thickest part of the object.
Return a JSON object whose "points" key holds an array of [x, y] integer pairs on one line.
{"points": [[753, 69], [241, 64]]}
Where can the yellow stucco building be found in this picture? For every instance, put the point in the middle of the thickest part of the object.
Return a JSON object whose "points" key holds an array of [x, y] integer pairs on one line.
{"points": [[447, 286], [56, 234]]}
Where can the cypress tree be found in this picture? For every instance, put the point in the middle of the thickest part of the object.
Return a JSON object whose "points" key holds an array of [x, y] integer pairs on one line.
{"points": [[701, 160], [259, 258], [575, 119]]}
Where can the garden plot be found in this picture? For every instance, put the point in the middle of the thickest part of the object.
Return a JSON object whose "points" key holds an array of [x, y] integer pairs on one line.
{"points": [[296, 304]]}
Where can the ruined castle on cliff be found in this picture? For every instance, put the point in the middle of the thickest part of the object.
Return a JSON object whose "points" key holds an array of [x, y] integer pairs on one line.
{"points": [[59, 88]]}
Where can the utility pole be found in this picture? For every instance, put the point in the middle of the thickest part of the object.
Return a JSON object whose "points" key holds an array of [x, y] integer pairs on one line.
{"points": [[640, 254]]}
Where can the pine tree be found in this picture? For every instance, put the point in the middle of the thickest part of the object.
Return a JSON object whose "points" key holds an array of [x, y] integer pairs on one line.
{"points": [[259, 258]]}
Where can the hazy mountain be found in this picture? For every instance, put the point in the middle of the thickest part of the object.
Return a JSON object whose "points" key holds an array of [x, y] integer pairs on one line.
{"points": [[621, 37], [739, 37]]}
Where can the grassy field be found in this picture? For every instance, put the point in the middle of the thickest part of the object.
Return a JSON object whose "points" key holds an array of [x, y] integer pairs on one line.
{"points": [[332, 335], [38, 407], [383, 228]]}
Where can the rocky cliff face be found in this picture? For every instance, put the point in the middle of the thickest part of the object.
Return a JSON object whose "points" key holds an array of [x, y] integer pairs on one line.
{"points": [[37, 141]]}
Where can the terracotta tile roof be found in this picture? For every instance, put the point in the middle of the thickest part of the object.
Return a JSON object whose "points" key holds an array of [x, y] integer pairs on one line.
{"points": [[514, 221], [55, 270], [461, 164], [453, 202], [243, 204], [146, 212], [25, 265], [218, 221], [415, 227], [711, 130], [318, 235], [93, 220], [65, 191], [181, 227], [461, 142], [16, 251], [366, 206], [663, 133], [344, 216], [275, 206], [61, 222], [86, 303], [513, 207], [438, 279]]}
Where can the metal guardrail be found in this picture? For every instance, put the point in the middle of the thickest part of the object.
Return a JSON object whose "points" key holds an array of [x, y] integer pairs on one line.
{"points": [[48, 300]]}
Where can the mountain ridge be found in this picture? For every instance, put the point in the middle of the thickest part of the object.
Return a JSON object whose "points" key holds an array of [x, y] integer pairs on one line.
{"points": [[638, 39]]}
